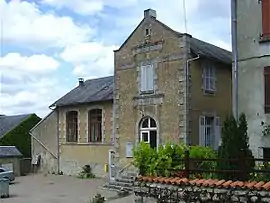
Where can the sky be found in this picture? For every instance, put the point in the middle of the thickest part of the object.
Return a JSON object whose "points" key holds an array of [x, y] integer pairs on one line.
{"points": [[46, 45]]}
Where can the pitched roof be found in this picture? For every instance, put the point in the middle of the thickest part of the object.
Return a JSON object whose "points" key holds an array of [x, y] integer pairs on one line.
{"points": [[7, 123], [206, 182], [210, 51], [197, 46], [100, 89], [9, 151]]}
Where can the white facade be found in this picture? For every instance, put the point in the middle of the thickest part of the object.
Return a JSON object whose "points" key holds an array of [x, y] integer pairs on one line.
{"points": [[254, 56]]}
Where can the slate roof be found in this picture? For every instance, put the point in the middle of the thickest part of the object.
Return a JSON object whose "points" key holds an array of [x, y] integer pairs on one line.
{"points": [[9, 151], [7, 123], [100, 89]]}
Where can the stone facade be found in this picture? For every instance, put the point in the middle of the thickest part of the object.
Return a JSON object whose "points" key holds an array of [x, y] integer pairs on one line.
{"points": [[73, 156], [174, 104], [254, 55]]}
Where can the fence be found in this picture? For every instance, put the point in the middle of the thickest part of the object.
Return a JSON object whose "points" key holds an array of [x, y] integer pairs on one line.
{"points": [[237, 167]]}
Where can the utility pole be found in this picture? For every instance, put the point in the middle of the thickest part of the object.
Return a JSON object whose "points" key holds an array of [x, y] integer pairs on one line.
{"points": [[235, 57]]}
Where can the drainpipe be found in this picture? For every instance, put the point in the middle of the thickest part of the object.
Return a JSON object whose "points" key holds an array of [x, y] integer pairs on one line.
{"points": [[57, 135], [187, 92], [235, 57]]}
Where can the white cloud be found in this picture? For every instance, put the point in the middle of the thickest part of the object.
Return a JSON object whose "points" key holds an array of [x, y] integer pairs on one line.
{"points": [[35, 64], [89, 7], [25, 25], [26, 83], [90, 59]]}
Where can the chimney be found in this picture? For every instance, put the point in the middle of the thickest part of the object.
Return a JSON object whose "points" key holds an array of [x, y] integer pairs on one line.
{"points": [[81, 81], [150, 13]]}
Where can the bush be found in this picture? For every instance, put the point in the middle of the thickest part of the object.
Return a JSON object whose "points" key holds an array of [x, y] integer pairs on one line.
{"points": [[261, 176], [168, 161], [97, 199], [235, 146], [86, 172]]}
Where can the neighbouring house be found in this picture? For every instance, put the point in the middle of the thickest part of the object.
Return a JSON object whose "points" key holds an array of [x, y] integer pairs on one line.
{"points": [[10, 158], [253, 43], [14, 131], [167, 87], [81, 122]]}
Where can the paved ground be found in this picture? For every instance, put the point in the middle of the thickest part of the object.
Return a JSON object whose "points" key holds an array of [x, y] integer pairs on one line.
{"points": [[57, 189]]}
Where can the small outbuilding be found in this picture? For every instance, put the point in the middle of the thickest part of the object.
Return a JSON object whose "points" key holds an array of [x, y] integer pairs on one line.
{"points": [[10, 158]]}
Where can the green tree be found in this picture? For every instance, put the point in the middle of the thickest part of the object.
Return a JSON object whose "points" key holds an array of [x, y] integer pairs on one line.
{"points": [[235, 147]]}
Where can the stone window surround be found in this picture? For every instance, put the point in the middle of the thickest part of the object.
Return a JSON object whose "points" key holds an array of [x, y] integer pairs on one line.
{"points": [[138, 127], [154, 63], [65, 125], [103, 124]]}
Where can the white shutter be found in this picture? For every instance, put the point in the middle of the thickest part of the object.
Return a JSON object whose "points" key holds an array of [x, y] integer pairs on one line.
{"points": [[202, 131], [214, 78], [203, 76], [217, 138], [150, 78], [143, 77]]}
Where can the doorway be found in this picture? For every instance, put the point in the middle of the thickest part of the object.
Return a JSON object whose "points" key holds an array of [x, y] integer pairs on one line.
{"points": [[148, 131]]}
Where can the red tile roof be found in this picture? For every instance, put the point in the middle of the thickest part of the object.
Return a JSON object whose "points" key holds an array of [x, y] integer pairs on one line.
{"points": [[209, 182]]}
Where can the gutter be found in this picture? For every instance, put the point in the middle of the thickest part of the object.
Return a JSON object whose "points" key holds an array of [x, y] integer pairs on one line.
{"points": [[187, 93]]}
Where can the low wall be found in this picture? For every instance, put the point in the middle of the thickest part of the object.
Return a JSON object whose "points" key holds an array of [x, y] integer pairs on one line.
{"points": [[74, 157], [201, 191]]}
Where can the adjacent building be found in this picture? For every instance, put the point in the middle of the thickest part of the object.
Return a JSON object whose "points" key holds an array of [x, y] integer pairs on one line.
{"points": [[253, 42], [167, 87]]}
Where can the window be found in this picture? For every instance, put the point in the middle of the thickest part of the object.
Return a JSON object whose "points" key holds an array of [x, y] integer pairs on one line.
{"points": [[72, 126], [266, 153], [95, 125], [147, 32], [266, 19], [209, 77], [147, 78], [210, 131], [148, 131], [267, 89]]}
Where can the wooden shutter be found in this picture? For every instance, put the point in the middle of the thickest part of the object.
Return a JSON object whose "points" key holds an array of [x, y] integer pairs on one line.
{"points": [[143, 78], [150, 77], [202, 130], [267, 89], [217, 132], [266, 18]]}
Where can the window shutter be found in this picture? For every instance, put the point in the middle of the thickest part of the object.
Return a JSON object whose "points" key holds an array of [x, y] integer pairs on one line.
{"points": [[150, 78], [267, 89], [266, 18], [143, 76], [202, 131], [217, 137], [214, 78], [203, 76]]}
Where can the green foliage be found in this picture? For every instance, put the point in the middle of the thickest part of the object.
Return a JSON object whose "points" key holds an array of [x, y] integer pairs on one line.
{"points": [[86, 172], [97, 199], [261, 176], [144, 155], [235, 146], [168, 160], [20, 136]]}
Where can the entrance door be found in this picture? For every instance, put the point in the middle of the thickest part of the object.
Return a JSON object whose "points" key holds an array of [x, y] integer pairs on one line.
{"points": [[148, 131]]}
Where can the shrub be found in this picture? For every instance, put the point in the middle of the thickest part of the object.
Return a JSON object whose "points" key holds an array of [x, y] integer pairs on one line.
{"points": [[261, 176], [97, 199], [86, 172], [235, 146]]}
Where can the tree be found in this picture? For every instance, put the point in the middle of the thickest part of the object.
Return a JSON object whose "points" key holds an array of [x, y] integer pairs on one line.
{"points": [[235, 147]]}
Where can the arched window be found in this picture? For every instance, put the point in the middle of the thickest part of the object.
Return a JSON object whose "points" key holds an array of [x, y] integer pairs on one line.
{"points": [[72, 126], [95, 125], [148, 131]]}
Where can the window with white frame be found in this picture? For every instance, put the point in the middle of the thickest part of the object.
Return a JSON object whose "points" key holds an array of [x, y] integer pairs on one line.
{"points": [[209, 77], [147, 78], [210, 131]]}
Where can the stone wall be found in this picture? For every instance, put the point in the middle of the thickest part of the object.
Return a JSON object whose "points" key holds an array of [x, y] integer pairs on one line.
{"points": [[150, 193]]}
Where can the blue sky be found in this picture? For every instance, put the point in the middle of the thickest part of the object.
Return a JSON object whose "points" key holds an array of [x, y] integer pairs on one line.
{"points": [[48, 44]]}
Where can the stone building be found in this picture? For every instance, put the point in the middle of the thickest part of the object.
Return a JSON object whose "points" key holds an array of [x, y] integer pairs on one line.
{"points": [[253, 42], [167, 87], [81, 122]]}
